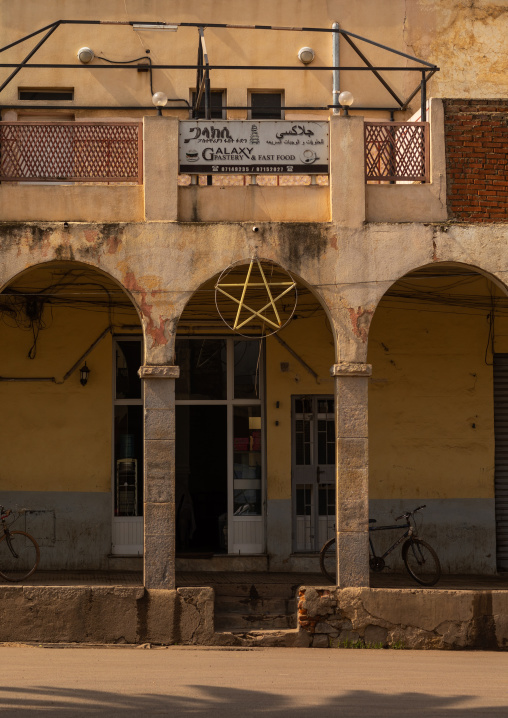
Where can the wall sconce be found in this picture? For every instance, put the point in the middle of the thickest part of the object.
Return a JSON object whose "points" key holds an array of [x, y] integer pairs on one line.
{"points": [[306, 55], [85, 55], [160, 100], [83, 374], [346, 99]]}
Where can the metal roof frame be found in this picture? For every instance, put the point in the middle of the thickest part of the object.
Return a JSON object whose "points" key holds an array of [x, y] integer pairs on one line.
{"points": [[203, 66]]}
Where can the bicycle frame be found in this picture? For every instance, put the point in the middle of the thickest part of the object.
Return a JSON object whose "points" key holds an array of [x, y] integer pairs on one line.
{"points": [[406, 534]]}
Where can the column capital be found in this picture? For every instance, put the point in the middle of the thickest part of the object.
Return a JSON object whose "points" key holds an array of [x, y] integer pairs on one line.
{"points": [[159, 372], [351, 369]]}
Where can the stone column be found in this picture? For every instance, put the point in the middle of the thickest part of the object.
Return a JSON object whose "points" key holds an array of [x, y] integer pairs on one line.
{"points": [[160, 168], [347, 171], [352, 495], [159, 475]]}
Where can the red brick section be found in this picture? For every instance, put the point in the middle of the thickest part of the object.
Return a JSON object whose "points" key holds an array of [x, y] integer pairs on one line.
{"points": [[476, 133]]}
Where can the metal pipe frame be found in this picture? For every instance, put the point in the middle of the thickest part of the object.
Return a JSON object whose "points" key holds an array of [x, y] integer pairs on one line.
{"points": [[184, 107], [203, 70]]}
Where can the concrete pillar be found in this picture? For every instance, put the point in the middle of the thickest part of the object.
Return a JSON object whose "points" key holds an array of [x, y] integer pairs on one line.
{"points": [[352, 496], [160, 168], [347, 171], [159, 475]]}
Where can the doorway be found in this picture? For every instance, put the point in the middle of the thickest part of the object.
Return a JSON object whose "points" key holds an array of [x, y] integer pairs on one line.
{"points": [[201, 501], [220, 447], [313, 471]]}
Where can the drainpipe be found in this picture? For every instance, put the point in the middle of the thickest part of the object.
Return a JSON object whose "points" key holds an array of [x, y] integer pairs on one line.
{"points": [[335, 63]]}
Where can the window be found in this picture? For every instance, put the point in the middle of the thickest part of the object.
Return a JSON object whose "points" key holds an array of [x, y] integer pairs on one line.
{"points": [[128, 429], [217, 101], [55, 94], [266, 106]]}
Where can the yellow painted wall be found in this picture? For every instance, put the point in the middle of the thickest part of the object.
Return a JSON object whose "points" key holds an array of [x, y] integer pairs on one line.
{"points": [[57, 437], [431, 420], [311, 339]]}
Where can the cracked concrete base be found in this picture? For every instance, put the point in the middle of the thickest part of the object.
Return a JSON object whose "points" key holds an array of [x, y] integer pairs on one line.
{"points": [[404, 618], [327, 617], [88, 614]]}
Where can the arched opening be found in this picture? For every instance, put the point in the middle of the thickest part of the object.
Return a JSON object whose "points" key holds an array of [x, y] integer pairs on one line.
{"points": [[438, 345], [72, 449], [255, 438]]}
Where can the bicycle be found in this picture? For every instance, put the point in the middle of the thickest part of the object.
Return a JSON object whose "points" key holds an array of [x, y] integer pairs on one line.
{"points": [[420, 559], [19, 552]]}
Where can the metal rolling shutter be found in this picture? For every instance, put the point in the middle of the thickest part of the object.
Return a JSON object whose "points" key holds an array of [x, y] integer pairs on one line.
{"points": [[501, 457]]}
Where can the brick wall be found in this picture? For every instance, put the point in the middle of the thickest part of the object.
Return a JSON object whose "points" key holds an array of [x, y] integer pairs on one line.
{"points": [[476, 133]]}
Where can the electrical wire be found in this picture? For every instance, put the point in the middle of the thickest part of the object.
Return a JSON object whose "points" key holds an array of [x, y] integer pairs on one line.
{"points": [[138, 59]]}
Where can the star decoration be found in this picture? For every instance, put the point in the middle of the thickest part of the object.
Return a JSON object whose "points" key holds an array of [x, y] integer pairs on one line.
{"points": [[270, 305]]}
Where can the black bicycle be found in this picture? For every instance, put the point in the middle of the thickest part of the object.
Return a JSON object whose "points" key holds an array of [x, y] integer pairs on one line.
{"points": [[419, 558], [19, 552]]}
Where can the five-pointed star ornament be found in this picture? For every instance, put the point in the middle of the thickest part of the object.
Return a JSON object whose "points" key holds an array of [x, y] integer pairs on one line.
{"points": [[253, 313]]}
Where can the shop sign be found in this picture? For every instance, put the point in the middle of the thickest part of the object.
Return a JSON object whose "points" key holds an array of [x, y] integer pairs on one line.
{"points": [[253, 147]]}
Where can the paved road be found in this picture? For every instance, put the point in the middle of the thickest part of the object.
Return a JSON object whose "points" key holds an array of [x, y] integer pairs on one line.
{"points": [[185, 681]]}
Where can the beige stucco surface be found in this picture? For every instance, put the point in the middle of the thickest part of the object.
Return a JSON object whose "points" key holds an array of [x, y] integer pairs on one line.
{"points": [[254, 203], [74, 203]]}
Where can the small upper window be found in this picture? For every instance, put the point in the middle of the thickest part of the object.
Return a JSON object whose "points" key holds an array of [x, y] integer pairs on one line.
{"points": [[46, 94], [217, 101], [266, 106]]}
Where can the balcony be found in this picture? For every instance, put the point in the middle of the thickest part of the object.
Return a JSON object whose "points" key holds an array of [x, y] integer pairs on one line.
{"points": [[128, 172]]}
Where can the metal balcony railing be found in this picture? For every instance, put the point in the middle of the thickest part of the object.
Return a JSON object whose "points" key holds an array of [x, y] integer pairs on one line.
{"points": [[397, 151], [71, 152]]}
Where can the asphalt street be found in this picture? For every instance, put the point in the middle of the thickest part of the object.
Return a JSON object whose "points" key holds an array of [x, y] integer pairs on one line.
{"points": [[188, 681]]}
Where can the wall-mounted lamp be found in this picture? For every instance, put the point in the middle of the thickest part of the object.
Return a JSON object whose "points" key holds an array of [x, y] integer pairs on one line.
{"points": [[306, 55], [83, 374], [346, 99], [85, 55], [154, 26], [160, 100]]}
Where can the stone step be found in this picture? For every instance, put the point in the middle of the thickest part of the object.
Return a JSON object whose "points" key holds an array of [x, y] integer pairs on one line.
{"points": [[257, 590], [235, 604], [242, 623]]}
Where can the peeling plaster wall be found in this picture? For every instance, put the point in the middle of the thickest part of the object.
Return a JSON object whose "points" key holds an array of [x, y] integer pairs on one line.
{"points": [[162, 264], [431, 420], [466, 39], [56, 437]]}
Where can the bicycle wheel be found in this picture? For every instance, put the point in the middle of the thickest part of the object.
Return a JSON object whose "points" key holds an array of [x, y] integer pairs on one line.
{"points": [[328, 560], [19, 556], [421, 562]]}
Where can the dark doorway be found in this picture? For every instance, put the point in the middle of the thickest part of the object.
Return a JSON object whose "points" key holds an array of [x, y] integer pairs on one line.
{"points": [[201, 479]]}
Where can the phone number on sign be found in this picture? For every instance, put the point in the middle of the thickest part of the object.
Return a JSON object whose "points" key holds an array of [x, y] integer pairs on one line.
{"points": [[253, 169]]}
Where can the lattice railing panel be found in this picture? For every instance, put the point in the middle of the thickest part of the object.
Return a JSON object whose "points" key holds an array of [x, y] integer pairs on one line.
{"points": [[397, 151], [71, 151]]}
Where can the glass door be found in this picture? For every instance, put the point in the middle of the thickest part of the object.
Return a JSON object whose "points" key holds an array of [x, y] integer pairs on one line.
{"points": [[219, 446], [128, 448], [313, 471]]}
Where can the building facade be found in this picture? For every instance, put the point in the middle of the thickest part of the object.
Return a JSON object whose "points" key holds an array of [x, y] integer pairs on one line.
{"points": [[201, 439]]}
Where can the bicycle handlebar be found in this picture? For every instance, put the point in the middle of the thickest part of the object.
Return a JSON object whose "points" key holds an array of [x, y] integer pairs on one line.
{"points": [[410, 513]]}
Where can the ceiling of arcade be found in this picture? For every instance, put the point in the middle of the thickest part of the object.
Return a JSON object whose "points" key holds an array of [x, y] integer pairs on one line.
{"points": [[448, 287], [35, 296]]}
